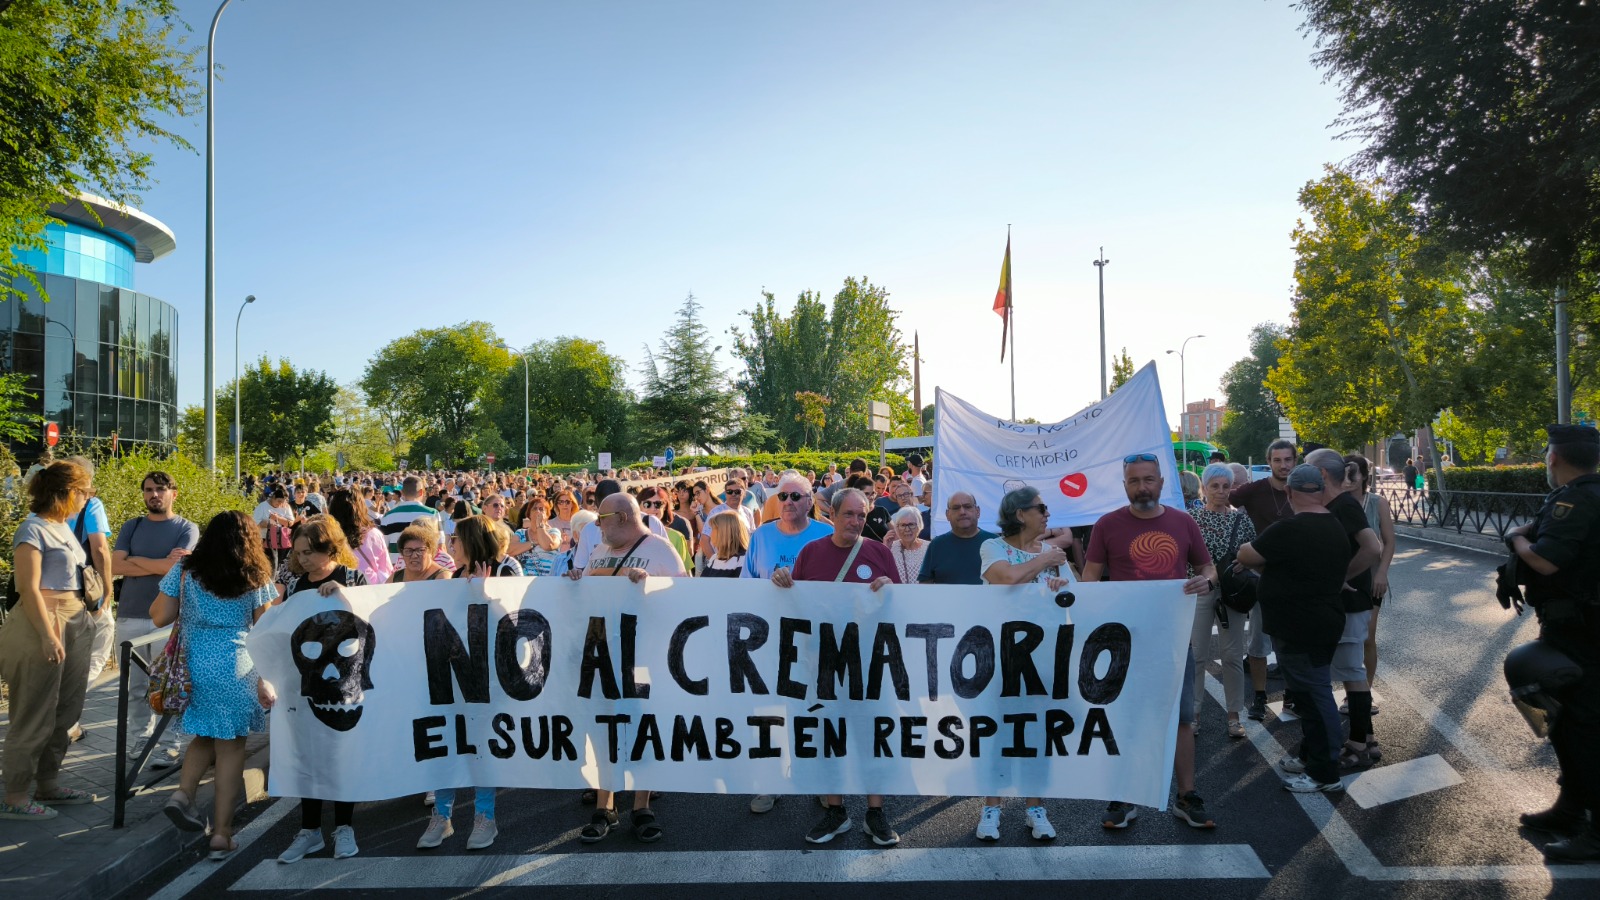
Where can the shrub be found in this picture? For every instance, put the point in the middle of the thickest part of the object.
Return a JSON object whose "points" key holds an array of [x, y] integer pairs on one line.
{"points": [[1494, 479]]}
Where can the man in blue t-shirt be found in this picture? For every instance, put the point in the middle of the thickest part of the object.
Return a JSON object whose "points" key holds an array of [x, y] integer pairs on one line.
{"points": [[776, 544], [953, 558]]}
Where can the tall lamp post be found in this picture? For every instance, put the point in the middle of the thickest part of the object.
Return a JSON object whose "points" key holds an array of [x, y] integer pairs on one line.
{"points": [[238, 429], [211, 242], [1183, 388], [1100, 265], [526, 445]]}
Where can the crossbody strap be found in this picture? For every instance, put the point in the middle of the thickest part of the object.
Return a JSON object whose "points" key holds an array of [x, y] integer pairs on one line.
{"points": [[845, 569], [624, 557]]}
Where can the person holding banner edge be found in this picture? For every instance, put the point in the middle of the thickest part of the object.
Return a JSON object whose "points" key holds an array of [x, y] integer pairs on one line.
{"points": [[846, 557], [1022, 555], [1147, 541]]}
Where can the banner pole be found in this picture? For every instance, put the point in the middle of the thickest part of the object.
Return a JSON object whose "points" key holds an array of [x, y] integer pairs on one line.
{"points": [[1013, 364]]}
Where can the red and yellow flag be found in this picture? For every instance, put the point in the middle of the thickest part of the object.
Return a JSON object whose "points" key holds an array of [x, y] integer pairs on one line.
{"points": [[1002, 299]]}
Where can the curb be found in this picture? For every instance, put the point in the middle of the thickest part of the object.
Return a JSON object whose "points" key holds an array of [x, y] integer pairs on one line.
{"points": [[151, 844], [1446, 538]]}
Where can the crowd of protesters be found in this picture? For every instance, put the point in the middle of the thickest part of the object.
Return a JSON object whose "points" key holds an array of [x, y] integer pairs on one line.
{"points": [[1318, 536]]}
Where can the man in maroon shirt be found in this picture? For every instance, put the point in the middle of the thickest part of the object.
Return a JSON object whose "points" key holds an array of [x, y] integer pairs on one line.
{"points": [[1146, 541], [845, 556], [1265, 501]]}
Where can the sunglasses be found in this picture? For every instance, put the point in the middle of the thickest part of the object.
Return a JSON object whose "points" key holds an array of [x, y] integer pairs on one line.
{"points": [[1043, 510], [784, 496], [734, 491], [652, 504], [1138, 458]]}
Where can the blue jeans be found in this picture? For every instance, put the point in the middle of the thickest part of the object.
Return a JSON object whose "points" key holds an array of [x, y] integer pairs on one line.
{"points": [[483, 801], [1305, 670]]}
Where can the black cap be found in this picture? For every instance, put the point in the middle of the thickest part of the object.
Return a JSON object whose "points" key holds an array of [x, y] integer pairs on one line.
{"points": [[1573, 434], [915, 459]]}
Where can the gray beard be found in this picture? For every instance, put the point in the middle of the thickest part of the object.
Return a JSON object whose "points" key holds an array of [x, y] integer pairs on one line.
{"points": [[1145, 505]]}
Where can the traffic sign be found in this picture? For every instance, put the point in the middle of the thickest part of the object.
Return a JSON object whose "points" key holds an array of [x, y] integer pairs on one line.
{"points": [[671, 455], [489, 458], [52, 434]]}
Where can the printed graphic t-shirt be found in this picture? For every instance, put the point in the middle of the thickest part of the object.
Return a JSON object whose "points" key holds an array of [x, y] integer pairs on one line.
{"points": [[655, 555], [1135, 549]]}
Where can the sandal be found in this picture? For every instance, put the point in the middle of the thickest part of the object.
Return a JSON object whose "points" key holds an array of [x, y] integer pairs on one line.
{"points": [[64, 797], [183, 813], [27, 812], [218, 854], [646, 830], [1355, 756], [600, 825]]}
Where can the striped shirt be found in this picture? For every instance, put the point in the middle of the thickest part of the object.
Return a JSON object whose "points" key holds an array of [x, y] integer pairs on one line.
{"points": [[399, 519]]}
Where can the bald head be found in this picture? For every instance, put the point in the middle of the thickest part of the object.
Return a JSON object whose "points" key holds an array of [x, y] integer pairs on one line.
{"points": [[961, 511], [619, 520]]}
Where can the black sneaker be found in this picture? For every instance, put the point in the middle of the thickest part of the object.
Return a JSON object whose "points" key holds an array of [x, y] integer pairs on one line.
{"points": [[1119, 814], [1258, 709], [1581, 847], [878, 828], [600, 825], [834, 822], [1192, 810], [1556, 820]]}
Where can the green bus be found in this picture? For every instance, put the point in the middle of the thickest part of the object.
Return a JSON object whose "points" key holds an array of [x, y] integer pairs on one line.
{"points": [[1193, 456]]}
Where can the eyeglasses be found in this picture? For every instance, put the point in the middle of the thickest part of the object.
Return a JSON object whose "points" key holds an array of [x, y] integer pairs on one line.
{"points": [[784, 496], [652, 504], [414, 551], [1138, 458], [1043, 510], [603, 515], [734, 491]]}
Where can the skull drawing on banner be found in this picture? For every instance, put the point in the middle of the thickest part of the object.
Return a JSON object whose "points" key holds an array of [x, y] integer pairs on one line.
{"points": [[333, 651]]}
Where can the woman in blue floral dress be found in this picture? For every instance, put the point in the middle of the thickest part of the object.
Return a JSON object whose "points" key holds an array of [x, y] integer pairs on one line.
{"points": [[218, 592]]}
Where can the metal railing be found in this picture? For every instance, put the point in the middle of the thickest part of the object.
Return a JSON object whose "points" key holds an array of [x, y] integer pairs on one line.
{"points": [[128, 773], [1464, 512]]}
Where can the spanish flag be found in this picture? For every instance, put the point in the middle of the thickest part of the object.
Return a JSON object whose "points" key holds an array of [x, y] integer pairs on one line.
{"points": [[1002, 298]]}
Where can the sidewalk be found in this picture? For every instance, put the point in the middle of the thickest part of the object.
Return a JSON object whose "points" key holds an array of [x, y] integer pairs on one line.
{"points": [[78, 855]]}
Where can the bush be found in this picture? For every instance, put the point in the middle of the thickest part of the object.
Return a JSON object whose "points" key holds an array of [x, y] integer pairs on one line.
{"points": [[1494, 479], [801, 460]]}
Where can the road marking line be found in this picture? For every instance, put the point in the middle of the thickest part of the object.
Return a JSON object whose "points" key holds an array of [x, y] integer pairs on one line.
{"points": [[1355, 855], [1401, 780], [204, 868], [1115, 863]]}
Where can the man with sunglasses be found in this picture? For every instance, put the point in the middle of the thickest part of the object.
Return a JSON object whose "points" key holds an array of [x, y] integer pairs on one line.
{"points": [[1148, 541], [733, 498], [776, 545]]}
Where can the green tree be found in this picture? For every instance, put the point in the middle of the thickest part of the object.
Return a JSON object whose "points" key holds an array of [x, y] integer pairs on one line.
{"points": [[436, 380], [852, 354], [813, 415], [284, 412], [89, 87], [1121, 369], [358, 433], [1251, 422], [1380, 322], [578, 400], [687, 401], [1481, 109], [17, 424]]}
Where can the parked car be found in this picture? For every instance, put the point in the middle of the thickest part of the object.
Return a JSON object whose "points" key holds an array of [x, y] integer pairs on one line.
{"points": [[1259, 472]]}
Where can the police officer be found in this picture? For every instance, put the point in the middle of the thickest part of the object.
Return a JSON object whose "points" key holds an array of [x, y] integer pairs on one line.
{"points": [[1561, 551]]}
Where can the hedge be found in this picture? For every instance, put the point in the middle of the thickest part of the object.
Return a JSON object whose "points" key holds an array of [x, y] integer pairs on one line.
{"points": [[801, 460], [1494, 479]]}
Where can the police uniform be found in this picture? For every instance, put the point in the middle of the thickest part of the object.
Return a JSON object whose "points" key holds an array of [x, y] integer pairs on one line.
{"points": [[1566, 533]]}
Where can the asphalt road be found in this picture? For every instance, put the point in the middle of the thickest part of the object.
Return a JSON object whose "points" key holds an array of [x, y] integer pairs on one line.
{"points": [[1437, 819]]}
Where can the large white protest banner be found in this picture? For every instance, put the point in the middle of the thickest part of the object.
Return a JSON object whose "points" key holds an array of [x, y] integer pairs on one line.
{"points": [[1075, 464], [726, 686]]}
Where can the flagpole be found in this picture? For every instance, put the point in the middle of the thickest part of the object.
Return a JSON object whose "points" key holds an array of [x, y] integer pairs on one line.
{"points": [[1011, 324]]}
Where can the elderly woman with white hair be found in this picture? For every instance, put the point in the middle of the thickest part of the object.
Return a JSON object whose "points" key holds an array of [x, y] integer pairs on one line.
{"points": [[1224, 529], [908, 548]]}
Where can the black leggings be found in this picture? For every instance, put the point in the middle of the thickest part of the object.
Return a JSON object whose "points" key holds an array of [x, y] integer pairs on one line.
{"points": [[311, 813]]}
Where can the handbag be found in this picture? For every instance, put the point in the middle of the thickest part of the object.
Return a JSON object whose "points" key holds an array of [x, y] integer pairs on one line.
{"points": [[1235, 583], [170, 684], [90, 584]]}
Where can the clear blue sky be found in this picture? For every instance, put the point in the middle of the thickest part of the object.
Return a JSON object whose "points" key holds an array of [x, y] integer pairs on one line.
{"points": [[578, 168]]}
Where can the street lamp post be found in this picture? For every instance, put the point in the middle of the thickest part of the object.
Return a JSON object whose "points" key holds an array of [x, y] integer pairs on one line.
{"points": [[526, 432], [1100, 265], [1183, 388], [211, 247], [238, 429]]}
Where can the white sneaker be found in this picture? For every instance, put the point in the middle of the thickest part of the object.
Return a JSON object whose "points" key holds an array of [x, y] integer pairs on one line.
{"points": [[427, 799], [989, 824], [1292, 765], [344, 842], [306, 841], [484, 831], [1040, 820], [439, 828], [1305, 784], [762, 803]]}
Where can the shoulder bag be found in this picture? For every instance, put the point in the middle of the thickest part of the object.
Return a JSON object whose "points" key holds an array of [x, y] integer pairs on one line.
{"points": [[844, 570], [170, 685], [1236, 584], [90, 584]]}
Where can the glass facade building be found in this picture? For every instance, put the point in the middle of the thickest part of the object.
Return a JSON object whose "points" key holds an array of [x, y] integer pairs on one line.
{"points": [[101, 357]]}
